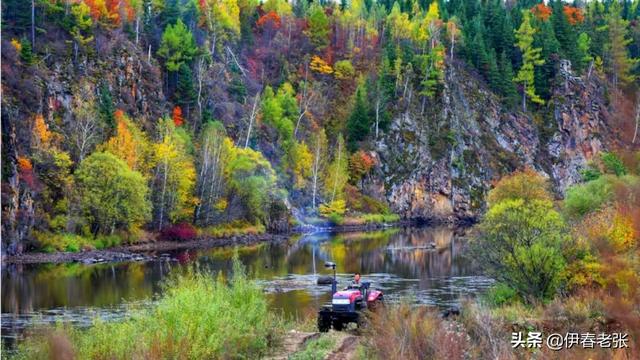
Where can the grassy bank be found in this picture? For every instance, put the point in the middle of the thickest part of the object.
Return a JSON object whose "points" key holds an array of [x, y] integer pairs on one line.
{"points": [[50, 242], [197, 317]]}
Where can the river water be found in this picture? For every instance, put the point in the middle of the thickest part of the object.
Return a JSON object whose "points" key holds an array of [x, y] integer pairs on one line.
{"points": [[421, 265]]}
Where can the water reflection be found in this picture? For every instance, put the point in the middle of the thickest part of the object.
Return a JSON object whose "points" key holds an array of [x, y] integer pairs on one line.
{"points": [[421, 263]]}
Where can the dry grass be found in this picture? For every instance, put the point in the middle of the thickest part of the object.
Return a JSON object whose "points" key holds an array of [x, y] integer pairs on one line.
{"points": [[406, 332]]}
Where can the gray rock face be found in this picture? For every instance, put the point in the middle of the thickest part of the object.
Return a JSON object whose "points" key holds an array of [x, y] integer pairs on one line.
{"points": [[439, 163]]}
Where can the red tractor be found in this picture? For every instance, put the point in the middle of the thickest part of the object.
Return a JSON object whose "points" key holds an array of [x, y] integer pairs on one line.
{"points": [[347, 306]]}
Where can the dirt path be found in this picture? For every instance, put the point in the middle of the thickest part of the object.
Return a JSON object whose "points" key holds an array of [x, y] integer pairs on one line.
{"points": [[293, 342], [346, 350]]}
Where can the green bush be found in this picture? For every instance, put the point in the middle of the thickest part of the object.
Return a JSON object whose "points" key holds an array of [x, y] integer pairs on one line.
{"points": [[584, 198], [51, 242], [380, 218], [590, 173], [107, 241], [520, 244], [613, 164], [335, 218], [198, 317], [501, 294]]}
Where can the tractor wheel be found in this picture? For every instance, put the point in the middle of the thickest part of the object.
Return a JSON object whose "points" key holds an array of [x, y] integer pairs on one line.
{"points": [[338, 325], [377, 305], [324, 323]]}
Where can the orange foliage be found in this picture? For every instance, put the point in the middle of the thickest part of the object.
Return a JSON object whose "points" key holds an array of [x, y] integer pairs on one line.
{"points": [[24, 164], [41, 131], [272, 17], [319, 65], [16, 44], [122, 144], [541, 12], [574, 14], [178, 120], [360, 164], [109, 10], [25, 169], [119, 115]]}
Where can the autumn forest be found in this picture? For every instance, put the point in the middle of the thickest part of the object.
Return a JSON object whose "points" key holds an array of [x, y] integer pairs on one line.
{"points": [[156, 122]]}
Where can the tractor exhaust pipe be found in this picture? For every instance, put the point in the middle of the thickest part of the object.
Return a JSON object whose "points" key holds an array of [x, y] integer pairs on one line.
{"points": [[334, 283]]}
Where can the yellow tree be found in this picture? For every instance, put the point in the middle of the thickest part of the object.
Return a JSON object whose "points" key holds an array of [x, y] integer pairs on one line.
{"points": [[530, 58], [280, 7], [300, 160], [175, 175], [221, 18], [399, 23], [129, 144]]}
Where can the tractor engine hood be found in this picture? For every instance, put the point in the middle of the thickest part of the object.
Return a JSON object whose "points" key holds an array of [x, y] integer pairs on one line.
{"points": [[346, 296]]}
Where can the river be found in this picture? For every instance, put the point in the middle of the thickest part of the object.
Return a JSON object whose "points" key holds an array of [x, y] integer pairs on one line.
{"points": [[422, 265]]}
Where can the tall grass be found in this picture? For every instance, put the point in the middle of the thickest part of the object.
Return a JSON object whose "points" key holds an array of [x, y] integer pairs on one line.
{"points": [[407, 332], [198, 317]]}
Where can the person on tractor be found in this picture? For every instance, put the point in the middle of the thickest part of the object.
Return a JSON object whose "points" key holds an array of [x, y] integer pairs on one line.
{"points": [[356, 279]]}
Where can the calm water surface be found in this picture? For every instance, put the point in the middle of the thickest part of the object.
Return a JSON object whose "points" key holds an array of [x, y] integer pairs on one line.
{"points": [[401, 262]]}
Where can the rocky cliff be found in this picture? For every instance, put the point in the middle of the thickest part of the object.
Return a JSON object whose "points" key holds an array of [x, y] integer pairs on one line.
{"points": [[438, 163], [437, 159]]}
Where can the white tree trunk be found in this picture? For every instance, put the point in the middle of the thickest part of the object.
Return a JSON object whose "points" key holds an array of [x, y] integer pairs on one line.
{"points": [[377, 115], [335, 182], [251, 119], [316, 172], [137, 29], [635, 133]]}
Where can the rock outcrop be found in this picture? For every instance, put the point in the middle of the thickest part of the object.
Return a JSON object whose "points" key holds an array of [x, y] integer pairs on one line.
{"points": [[438, 164]]}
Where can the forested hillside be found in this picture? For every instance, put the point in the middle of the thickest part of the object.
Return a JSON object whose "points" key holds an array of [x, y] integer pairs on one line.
{"points": [[124, 119]]}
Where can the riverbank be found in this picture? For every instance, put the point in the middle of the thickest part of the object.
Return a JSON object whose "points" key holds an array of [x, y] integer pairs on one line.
{"points": [[150, 250], [139, 251]]}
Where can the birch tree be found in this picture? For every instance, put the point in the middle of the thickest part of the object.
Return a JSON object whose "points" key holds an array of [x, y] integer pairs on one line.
{"points": [[319, 163], [210, 174]]}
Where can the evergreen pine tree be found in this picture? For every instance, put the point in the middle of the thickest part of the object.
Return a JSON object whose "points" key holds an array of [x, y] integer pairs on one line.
{"points": [[359, 123], [507, 90], [565, 34], [493, 74], [185, 94], [620, 64], [106, 109], [26, 54], [545, 39]]}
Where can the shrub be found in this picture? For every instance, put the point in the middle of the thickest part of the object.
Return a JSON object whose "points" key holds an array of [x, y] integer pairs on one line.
{"points": [[590, 173], [336, 208], [52, 242], [612, 164], [196, 318], [585, 198], [379, 218], [336, 219], [179, 232], [501, 294], [520, 244], [107, 241], [343, 69], [523, 184], [407, 332], [235, 228]]}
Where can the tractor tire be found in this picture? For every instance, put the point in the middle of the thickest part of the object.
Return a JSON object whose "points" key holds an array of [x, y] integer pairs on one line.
{"points": [[324, 324], [338, 325]]}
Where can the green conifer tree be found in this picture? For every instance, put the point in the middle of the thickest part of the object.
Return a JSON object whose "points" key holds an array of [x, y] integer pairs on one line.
{"points": [[530, 59]]}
